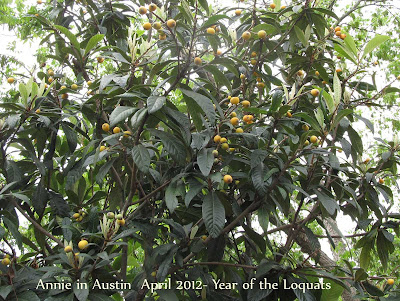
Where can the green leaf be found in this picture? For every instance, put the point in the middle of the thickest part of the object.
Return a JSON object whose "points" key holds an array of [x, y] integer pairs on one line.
{"points": [[81, 293], [213, 214], [155, 103], [300, 35], [171, 197], [24, 93], [310, 120], [205, 160], [99, 297], [276, 100], [13, 229], [71, 136], [355, 140], [172, 145], [345, 52], [340, 116], [138, 118], [2, 232], [327, 202], [374, 43], [365, 255], [329, 101], [93, 42], [268, 28], [103, 171], [214, 20], [349, 41], [58, 204], [40, 197], [334, 293], [319, 115], [141, 157], [204, 103], [5, 290], [120, 114], [263, 218], [72, 38], [337, 89], [219, 77]]}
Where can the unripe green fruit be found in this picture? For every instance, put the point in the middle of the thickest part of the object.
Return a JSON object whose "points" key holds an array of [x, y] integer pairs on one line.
{"points": [[110, 215], [119, 216]]}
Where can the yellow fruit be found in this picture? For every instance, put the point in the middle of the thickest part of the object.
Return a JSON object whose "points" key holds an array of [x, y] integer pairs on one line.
{"points": [[375, 63], [390, 281], [316, 73], [253, 54], [89, 83], [147, 26], [338, 70], [102, 148], [63, 87], [223, 140], [261, 85], [234, 100], [339, 150], [171, 23], [197, 61], [283, 7], [204, 237], [215, 153], [272, 5], [288, 114], [246, 118], [82, 244], [306, 142], [324, 82], [50, 80], [39, 2], [153, 274], [239, 130], [234, 121], [100, 59], [36, 15], [152, 7], [238, 12], [64, 96], [76, 215], [305, 127], [157, 25], [233, 114], [300, 73], [10, 80], [217, 138], [142, 10], [210, 30], [246, 103], [68, 249], [337, 29], [367, 160], [314, 92], [338, 33], [229, 97], [116, 130], [74, 86], [219, 52], [50, 72], [6, 261], [162, 37], [242, 76], [313, 139], [398, 77], [381, 181], [105, 127], [253, 62], [262, 34], [127, 134], [246, 35], [37, 111], [228, 179], [343, 36], [225, 146], [121, 222], [231, 149]]}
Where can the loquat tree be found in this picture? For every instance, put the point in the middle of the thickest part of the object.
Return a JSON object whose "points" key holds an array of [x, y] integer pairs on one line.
{"points": [[196, 145]]}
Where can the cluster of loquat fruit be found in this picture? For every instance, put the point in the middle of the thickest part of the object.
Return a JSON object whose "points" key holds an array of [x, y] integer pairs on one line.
{"points": [[116, 130]]}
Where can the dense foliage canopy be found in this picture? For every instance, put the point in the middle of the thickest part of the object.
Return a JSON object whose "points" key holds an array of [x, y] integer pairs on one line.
{"points": [[186, 141]]}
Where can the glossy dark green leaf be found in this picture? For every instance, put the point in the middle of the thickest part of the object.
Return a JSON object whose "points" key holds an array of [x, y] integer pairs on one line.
{"points": [[213, 214]]}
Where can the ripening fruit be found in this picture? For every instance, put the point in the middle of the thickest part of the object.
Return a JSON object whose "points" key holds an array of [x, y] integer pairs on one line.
{"points": [[300, 73], [10, 80], [152, 7], [262, 34], [367, 160], [142, 10], [253, 62], [116, 130], [234, 121], [305, 127], [153, 274], [147, 26], [100, 59], [253, 54], [343, 36], [6, 261], [68, 249], [398, 77], [231, 149], [246, 103], [102, 148], [246, 35], [288, 114], [157, 25], [239, 130], [105, 127], [234, 100], [121, 222], [50, 80], [223, 140], [119, 216], [204, 237], [272, 5], [337, 29], [215, 153], [89, 83], [313, 139], [338, 33], [238, 12], [283, 7], [233, 114], [74, 86], [110, 215], [210, 30], [64, 96], [219, 52], [338, 70], [225, 146], [306, 142], [37, 111], [242, 76], [381, 181], [217, 138], [76, 215], [127, 134], [162, 36], [197, 61], [390, 281], [39, 2], [50, 72], [171, 23], [260, 85], [324, 82], [82, 244], [228, 179], [314, 92], [316, 73]]}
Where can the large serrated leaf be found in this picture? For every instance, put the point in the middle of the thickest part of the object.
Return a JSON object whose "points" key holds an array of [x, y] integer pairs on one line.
{"points": [[172, 145], [204, 103], [205, 160], [213, 214], [374, 43], [141, 157], [71, 37], [93, 42], [155, 103], [120, 113]]}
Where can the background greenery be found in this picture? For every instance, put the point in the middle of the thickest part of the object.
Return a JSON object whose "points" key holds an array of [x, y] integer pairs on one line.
{"points": [[108, 147]]}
